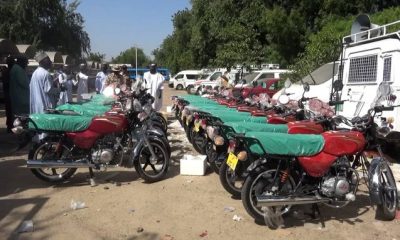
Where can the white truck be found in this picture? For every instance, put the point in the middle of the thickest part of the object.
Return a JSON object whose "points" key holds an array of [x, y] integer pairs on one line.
{"points": [[369, 58]]}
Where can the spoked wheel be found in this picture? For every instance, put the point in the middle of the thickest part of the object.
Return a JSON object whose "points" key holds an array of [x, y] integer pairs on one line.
{"points": [[231, 180], [387, 210], [199, 141], [149, 168], [51, 151], [263, 185]]}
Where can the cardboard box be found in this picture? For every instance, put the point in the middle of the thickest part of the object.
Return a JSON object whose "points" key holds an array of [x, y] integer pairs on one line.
{"points": [[193, 165]]}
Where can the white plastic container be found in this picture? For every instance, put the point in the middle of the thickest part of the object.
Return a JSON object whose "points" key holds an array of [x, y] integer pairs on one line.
{"points": [[193, 165], [169, 109]]}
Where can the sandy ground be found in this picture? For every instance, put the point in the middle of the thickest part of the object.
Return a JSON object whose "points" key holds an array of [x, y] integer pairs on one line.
{"points": [[179, 207]]}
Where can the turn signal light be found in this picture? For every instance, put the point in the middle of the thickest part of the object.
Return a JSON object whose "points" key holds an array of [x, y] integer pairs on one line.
{"points": [[219, 141], [242, 156], [390, 120]]}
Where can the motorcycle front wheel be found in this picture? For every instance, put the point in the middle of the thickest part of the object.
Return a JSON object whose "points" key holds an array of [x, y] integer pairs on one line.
{"points": [[199, 141], [230, 180], [51, 151], [152, 170], [212, 158], [387, 210], [263, 184], [160, 118]]}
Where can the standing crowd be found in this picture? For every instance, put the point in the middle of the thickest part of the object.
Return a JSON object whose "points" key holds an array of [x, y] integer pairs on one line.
{"points": [[24, 95]]}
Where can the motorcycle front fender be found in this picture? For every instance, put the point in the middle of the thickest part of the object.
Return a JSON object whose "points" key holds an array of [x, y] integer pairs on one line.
{"points": [[375, 188], [156, 132]]}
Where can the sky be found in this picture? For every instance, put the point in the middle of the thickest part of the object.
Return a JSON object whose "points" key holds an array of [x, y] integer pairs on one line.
{"points": [[116, 25]]}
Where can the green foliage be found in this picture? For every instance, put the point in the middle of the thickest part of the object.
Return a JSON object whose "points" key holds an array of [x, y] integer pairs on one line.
{"points": [[325, 46], [227, 32], [46, 24], [129, 56], [96, 57]]}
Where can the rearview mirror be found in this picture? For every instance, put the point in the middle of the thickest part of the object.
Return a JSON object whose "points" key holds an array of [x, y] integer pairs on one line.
{"points": [[254, 83], [337, 85], [283, 99], [117, 91], [306, 87], [384, 89], [288, 83]]}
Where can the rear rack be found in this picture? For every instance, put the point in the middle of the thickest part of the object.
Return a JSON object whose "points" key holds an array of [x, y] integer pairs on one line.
{"points": [[379, 32]]}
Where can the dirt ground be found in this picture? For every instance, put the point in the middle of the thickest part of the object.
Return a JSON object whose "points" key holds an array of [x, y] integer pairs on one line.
{"points": [[179, 207]]}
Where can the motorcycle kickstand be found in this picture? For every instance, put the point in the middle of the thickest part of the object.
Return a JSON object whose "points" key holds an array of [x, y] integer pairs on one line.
{"points": [[316, 211], [91, 178]]}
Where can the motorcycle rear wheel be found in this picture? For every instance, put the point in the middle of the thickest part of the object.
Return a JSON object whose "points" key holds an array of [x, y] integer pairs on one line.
{"points": [[159, 169], [46, 150], [257, 184], [387, 210]]}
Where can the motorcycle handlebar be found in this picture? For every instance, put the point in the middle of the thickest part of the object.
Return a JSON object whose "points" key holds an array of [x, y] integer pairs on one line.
{"points": [[382, 108]]}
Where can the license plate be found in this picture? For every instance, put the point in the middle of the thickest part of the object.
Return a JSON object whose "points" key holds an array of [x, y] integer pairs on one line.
{"points": [[232, 161], [196, 127]]}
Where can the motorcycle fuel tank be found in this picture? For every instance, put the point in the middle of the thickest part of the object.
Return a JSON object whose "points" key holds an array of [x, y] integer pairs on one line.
{"points": [[341, 143], [305, 127], [107, 124]]}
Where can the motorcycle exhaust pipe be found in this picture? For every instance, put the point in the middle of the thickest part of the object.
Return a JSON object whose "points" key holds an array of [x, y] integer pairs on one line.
{"points": [[57, 164], [267, 201]]}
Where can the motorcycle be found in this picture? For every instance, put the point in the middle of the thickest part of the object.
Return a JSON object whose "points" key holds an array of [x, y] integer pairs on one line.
{"points": [[115, 139], [323, 173]]}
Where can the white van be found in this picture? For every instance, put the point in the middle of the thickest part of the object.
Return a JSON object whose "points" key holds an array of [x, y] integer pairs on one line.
{"points": [[263, 74], [184, 78], [369, 58]]}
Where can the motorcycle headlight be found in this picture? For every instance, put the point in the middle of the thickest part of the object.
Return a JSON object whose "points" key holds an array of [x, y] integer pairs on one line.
{"points": [[137, 107], [210, 132], [147, 109], [383, 131], [17, 122], [128, 105], [219, 141], [142, 116]]}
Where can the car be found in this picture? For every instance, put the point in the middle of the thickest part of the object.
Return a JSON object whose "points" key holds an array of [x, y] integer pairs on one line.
{"points": [[183, 79], [262, 75], [270, 86]]}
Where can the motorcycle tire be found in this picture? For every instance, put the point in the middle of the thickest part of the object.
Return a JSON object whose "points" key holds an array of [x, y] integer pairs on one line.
{"points": [[212, 158], [40, 173], [160, 118], [165, 141], [198, 141], [225, 174], [250, 187], [387, 210], [143, 162]]}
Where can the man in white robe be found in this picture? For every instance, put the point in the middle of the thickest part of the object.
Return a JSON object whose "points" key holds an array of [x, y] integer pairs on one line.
{"points": [[40, 87], [62, 80], [154, 81], [82, 82], [101, 78]]}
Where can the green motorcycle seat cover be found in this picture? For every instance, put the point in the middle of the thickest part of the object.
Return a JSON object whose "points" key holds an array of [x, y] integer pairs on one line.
{"points": [[285, 144], [257, 127], [59, 122]]}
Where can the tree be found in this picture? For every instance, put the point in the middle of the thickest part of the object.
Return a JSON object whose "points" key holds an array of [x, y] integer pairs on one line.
{"points": [[129, 56], [226, 32], [96, 57], [46, 24]]}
